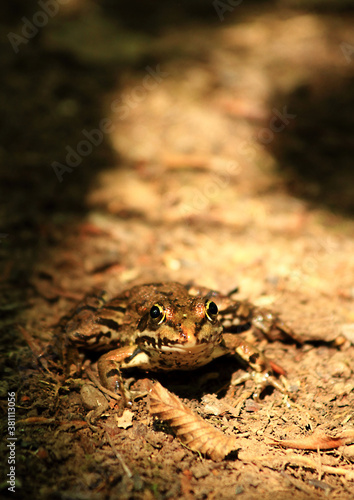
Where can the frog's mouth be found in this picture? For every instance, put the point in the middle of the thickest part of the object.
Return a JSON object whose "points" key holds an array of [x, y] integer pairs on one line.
{"points": [[187, 348], [182, 340], [167, 345]]}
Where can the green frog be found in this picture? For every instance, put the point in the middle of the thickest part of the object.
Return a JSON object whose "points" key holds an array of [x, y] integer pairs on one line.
{"points": [[170, 326]]}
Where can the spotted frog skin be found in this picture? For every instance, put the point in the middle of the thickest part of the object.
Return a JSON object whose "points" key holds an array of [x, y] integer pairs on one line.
{"points": [[169, 326]]}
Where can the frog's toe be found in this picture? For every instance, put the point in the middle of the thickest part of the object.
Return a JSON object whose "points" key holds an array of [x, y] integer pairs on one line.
{"points": [[265, 379], [262, 380]]}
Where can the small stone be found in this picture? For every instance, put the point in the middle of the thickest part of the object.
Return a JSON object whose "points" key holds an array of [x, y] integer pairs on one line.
{"points": [[339, 369], [342, 388], [252, 406], [347, 331], [93, 398]]}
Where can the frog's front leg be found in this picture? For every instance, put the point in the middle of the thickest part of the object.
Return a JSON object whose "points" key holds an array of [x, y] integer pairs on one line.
{"points": [[111, 364], [263, 372], [109, 368]]}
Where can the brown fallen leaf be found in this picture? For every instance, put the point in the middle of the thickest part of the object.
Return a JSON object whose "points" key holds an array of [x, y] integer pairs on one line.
{"points": [[317, 441], [300, 461], [191, 429], [126, 420]]}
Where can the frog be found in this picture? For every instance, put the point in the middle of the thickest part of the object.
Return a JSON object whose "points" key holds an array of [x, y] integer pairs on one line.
{"points": [[171, 326]]}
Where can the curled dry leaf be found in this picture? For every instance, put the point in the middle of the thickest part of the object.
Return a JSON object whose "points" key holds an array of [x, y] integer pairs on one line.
{"points": [[317, 441], [191, 429]]}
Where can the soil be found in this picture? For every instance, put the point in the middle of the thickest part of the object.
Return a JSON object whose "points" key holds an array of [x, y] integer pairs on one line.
{"points": [[208, 143]]}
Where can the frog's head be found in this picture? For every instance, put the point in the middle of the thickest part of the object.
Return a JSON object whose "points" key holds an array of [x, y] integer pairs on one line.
{"points": [[179, 327]]}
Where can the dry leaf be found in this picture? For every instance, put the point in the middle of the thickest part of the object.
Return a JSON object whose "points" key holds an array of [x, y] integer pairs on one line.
{"points": [[306, 462], [126, 420], [317, 441], [192, 430]]}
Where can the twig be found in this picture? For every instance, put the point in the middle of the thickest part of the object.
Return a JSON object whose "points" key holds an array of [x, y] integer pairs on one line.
{"points": [[119, 456]]}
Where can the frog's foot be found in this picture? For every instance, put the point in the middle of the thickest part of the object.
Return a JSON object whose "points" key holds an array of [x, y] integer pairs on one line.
{"points": [[264, 372], [134, 393], [262, 380], [95, 401], [114, 386], [111, 376]]}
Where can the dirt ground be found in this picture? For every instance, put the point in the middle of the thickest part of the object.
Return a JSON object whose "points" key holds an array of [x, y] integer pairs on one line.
{"points": [[199, 142]]}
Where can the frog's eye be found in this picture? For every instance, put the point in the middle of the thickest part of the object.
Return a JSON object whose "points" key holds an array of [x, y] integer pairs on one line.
{"points": [[157, 313], [211, 310]]}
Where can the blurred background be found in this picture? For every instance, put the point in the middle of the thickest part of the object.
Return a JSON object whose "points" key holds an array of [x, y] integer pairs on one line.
{"points": [[190, 140]]}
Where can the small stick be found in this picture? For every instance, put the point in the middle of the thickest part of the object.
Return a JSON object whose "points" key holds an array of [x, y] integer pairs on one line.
{"points": [[118, 455]]}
